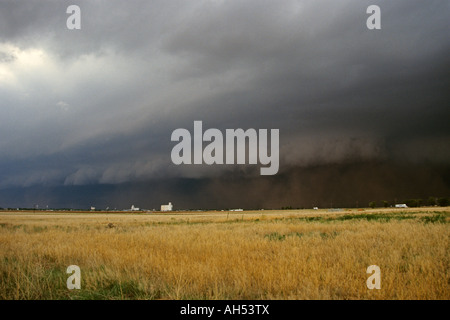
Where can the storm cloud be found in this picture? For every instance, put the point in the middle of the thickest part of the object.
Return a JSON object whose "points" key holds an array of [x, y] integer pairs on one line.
{"points": [[92, 110]]}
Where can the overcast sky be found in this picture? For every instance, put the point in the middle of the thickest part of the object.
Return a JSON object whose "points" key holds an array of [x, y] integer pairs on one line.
{"points": [[92, 110]]}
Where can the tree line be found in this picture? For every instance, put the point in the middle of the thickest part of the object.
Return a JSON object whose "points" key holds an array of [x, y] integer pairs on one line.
{"points": [[431, 201]]}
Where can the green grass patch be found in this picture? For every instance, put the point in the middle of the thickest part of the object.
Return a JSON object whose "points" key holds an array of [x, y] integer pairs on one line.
{"points": [[432, 217], [275, 236], [437, 218]]}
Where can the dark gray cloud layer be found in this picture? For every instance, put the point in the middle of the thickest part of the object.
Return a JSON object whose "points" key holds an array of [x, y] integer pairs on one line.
{"points": [[97, 106]]}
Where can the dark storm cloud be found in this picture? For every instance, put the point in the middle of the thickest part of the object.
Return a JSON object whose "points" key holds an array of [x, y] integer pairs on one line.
{"points": [[98, 105]]}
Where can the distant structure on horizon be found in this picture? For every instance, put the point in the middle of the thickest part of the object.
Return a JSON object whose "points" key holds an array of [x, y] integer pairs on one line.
{"points": [[133, 208], [167, 207], [401, 205]]}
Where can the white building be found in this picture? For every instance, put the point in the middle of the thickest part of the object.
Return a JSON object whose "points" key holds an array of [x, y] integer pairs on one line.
{"points": [[401, 205], [133, 208], [167, 207]]}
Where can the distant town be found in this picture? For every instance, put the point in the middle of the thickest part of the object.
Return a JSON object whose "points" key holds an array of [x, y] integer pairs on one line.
{"points": [[169, 207]]}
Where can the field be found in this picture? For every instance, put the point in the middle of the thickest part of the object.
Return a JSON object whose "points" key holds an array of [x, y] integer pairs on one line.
{"points": [[287, 254]]}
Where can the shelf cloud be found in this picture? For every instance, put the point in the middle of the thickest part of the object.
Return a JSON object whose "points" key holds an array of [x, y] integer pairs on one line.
{"points": [[92, 110]]}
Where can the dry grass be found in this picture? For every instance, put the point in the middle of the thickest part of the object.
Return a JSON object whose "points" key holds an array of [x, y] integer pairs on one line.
{"points": [[240, 255]]}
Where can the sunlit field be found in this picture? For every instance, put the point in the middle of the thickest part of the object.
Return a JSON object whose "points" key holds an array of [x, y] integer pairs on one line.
{"points": [[286, 254]]}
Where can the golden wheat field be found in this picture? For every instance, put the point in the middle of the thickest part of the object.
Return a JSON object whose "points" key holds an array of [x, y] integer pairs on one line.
{"points": [[286, 254]]}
